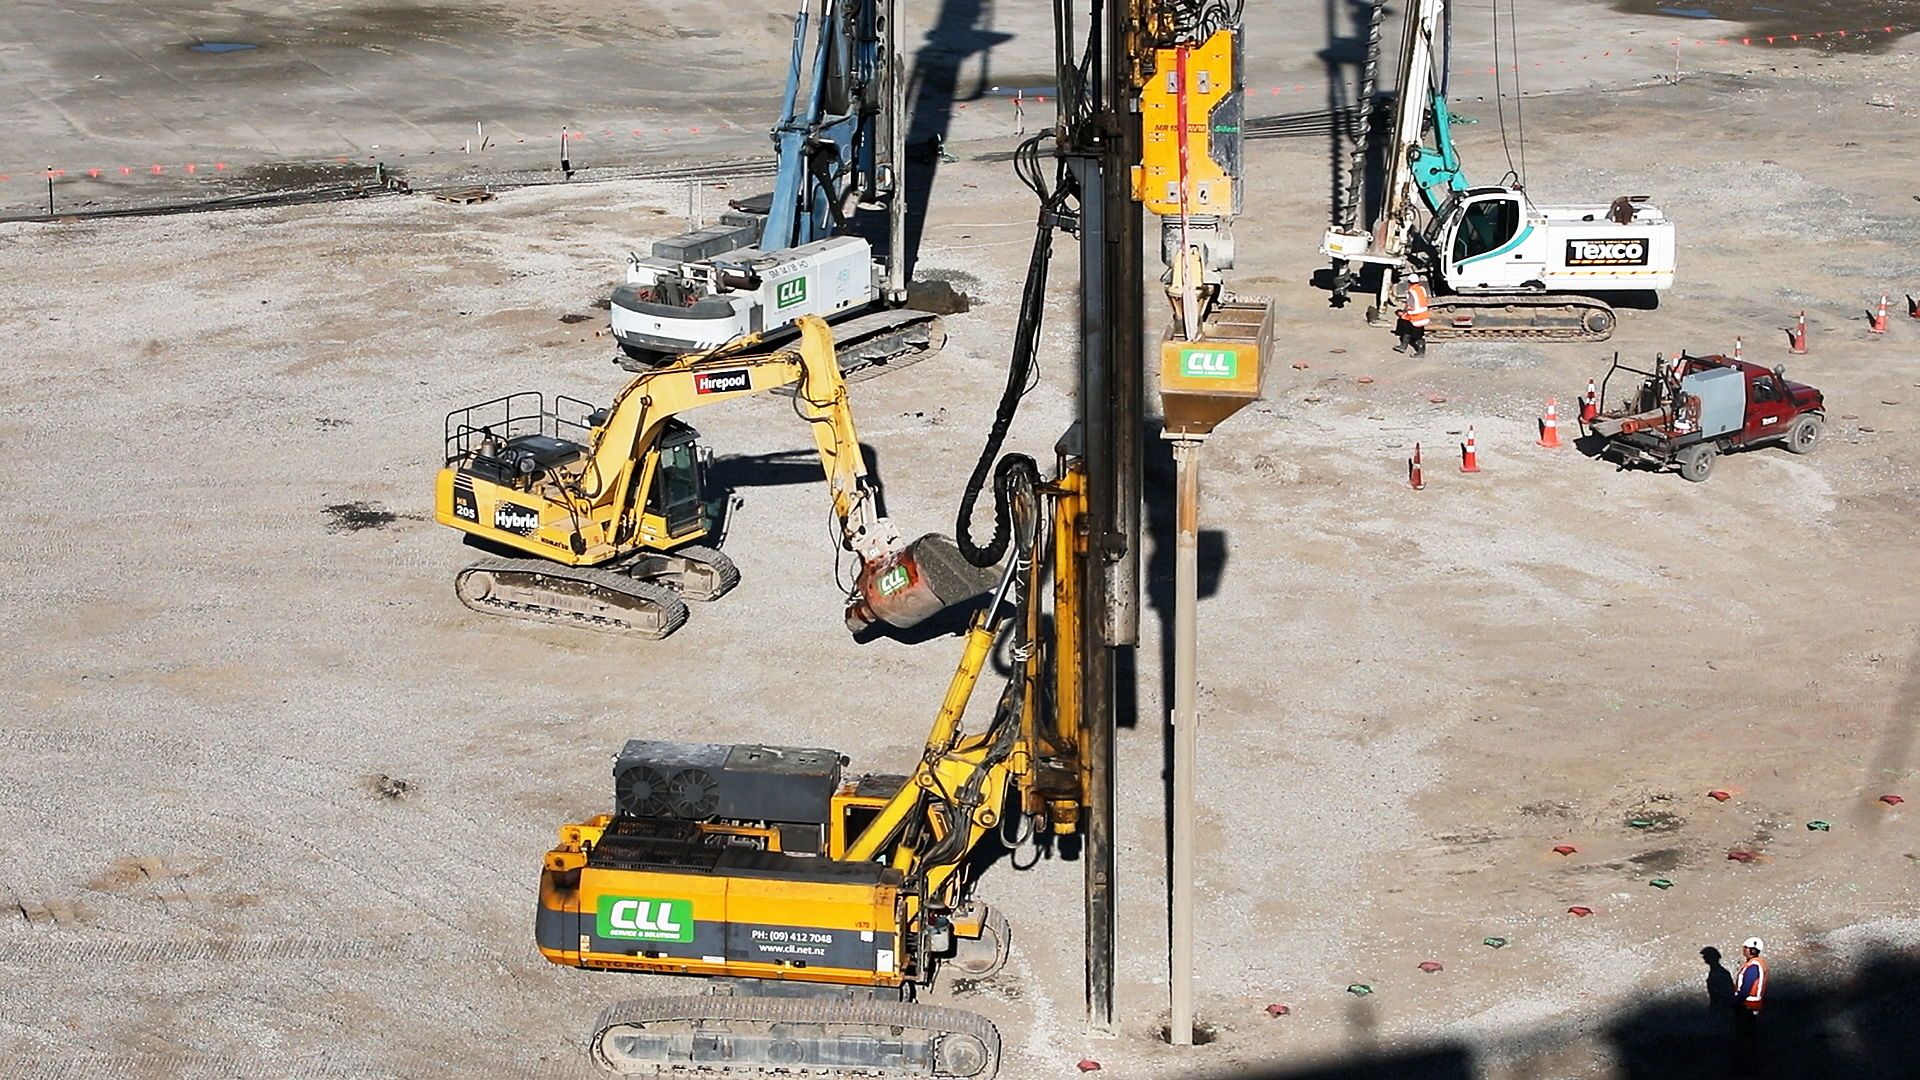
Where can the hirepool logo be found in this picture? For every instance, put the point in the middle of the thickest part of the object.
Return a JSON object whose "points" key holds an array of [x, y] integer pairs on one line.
{"points": [[1209, 363], [641, 918], [790, 292], [722, 382]]}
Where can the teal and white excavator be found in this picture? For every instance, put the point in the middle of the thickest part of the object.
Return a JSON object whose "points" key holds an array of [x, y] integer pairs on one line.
{"points": [[1504, 266]]}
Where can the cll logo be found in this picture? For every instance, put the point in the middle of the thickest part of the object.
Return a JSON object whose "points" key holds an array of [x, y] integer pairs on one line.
{"points": [[894, 580], [1209, 363], [790, 292], [722, 382], [1625, 252], [643, 918], [515, 518]]}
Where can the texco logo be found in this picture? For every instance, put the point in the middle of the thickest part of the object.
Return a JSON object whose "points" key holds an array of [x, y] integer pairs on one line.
{"points": [[722, 382], [645, 918], [1209, 363], [1623, 252], [790, 292]]}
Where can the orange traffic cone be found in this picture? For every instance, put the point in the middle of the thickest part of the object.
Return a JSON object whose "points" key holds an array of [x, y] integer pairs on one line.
{"points": [[1590, 405], [1469, 454], [1413, 470], [1799, 336], [1880, 317], [1736, 348], [1550, 426]]}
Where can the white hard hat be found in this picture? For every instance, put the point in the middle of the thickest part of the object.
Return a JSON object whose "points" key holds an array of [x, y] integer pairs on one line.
{"points": [[1755, 944]]}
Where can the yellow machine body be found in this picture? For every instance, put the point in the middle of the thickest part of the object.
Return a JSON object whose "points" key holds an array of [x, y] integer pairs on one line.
{"points": [[760, 862], [1213, 115], [754, 912]]}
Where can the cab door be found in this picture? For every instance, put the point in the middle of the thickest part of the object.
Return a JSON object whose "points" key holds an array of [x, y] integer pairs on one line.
{"points": [[1769, 412], [1490, 243], [675, 495]]}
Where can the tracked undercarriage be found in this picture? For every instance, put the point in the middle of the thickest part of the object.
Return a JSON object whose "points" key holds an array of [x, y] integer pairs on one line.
{"points": [[865, 346], [749, 1033], [1530, 317], [644, 597]]}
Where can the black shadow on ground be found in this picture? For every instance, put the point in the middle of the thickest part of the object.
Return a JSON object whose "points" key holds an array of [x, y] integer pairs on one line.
{"points": [[781, 468], [1160, 530], [1856, 1025], [1450, 1062], [1853, 1023], [727, 474], [961, 30]]}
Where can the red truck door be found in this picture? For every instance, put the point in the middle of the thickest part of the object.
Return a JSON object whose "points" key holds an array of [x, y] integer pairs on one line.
{"points": [[1768, 410]]}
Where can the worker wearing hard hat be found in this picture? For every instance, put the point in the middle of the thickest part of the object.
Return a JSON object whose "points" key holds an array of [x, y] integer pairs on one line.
{"points": [[1750, 992], [1414, 317]]}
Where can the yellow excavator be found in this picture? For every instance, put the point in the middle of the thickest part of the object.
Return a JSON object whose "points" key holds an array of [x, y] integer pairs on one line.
{"points": [[816, 903], [603, 510]]}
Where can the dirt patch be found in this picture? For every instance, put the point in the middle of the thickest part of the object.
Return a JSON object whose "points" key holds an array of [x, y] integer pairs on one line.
{"points": [[355, 516]]}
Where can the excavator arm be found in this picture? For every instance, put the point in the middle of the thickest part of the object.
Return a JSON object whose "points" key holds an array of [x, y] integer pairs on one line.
{"points": [[633, 424]]}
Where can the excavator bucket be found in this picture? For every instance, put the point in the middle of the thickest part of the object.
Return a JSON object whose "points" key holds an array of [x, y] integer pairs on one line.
{"points": [[918, 581]]}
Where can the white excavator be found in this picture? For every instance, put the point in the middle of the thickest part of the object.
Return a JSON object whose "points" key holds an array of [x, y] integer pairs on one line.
{"points": [[773, 259], [1504, 265]]}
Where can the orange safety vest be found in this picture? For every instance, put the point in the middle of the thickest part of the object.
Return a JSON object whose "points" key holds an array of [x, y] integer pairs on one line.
{"points": [[1415, 311], [1752, 996]]}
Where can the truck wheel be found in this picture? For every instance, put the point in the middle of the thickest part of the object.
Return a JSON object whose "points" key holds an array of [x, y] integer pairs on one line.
{"points": [[1804, 433], [1696, 462]]}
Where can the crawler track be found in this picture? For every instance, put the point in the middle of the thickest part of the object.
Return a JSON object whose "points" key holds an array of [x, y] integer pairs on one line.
{"points": [[745, 1036], [571, 596], [695, 571], [1554, 317], [865, 346]]}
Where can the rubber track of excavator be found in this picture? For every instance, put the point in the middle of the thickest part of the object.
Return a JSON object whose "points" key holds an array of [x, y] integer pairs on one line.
{"points": [[865, 346], [1530, 318], [886, 1020], [723, 568], [669, 611], [875, 344]]}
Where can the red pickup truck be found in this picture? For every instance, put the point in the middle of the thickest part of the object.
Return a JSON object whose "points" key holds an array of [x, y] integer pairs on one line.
{"points": [[1691, 409]]}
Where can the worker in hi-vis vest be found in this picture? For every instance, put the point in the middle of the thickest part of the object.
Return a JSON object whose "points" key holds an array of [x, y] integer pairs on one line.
{"points": [[1749, 993], [1413, 317]]}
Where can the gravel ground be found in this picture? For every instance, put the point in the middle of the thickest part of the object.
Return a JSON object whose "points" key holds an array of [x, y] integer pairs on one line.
{"points": [[298, 794]]}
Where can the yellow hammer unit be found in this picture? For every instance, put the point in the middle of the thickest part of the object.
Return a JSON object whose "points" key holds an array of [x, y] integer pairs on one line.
{"points": [[819, 900], [600, 512]]}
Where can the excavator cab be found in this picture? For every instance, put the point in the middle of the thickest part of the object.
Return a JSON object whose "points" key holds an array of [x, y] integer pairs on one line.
{"points": [[1482, 238], [676, 494]]}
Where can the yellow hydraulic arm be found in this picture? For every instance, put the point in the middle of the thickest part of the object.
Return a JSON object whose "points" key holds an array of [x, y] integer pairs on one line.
{"points": [[634, 420], [960, 786]]}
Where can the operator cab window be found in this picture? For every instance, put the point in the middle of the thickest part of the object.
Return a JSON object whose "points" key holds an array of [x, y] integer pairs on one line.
{"points": [[1485, 227], [1764, 389]]}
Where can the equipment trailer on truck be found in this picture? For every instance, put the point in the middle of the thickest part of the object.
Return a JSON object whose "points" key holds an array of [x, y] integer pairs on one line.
{"points": [[1691, 409]]}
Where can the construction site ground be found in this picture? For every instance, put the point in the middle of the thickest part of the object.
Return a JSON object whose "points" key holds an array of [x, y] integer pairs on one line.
{"points": [[272, 803]]}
